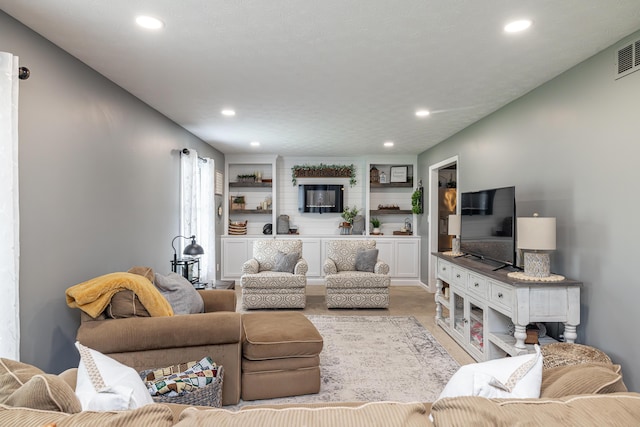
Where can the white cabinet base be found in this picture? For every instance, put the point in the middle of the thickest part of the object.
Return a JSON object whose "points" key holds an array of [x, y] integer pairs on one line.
{"points": [[473, 299]]}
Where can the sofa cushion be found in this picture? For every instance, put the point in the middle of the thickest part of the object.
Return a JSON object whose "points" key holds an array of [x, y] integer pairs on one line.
{"points": [[286, 263], [364, 415], [125, 304], [616, 409], [151, 415], [103, 384], [518, 376], [581, 379], [366, 259], [27, 386], [180, 293]]}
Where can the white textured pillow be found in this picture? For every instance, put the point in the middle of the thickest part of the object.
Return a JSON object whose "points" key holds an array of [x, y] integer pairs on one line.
{"points": [[104, 384], [518, 377]]}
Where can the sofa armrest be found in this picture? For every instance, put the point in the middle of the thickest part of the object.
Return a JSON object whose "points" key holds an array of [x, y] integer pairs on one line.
{"points": [[329, 267], [301, 267], [218, 300], [381, 267], [251, 266], [158, 333]]}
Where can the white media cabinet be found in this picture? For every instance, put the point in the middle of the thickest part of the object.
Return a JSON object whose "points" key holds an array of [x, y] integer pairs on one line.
{"points": [[487, 312]]}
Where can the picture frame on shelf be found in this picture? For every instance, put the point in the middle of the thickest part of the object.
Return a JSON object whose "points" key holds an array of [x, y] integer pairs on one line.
{"points": [[398, 174]]}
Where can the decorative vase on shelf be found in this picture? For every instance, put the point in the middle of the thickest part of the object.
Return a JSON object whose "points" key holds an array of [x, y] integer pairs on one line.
{"points": [[376, 230]]}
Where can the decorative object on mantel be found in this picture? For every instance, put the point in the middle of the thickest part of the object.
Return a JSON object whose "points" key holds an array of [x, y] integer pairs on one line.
{"points": [[454, 230], [536, 237], [374, 175], [324, 171], [388, 207], [376, 225], [417, 200], [237, 227], [237, 203], [348, 214]]}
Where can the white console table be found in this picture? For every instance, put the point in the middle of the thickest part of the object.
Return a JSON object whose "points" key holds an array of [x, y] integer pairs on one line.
{"points": [[487, 312]]}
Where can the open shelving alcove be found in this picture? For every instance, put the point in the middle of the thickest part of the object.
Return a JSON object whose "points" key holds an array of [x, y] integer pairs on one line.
{"points": [[251, 188], [389, 189]]}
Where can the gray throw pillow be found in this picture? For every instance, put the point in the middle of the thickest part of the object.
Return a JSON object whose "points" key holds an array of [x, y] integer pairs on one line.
{"points": [[366, 259], [286, 263], [182, 296]]}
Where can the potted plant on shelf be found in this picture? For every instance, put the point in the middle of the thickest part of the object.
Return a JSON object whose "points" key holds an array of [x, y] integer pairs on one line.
{"points": [[348, 214], [376, 225]]}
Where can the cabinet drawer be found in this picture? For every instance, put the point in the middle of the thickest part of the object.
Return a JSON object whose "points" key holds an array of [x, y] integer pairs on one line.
{"points": [[459, 276], [478, 285], [444, 270], [502, 295]]}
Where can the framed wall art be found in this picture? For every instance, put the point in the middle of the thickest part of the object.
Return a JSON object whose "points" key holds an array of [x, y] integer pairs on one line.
{"points": [[398, 174]]}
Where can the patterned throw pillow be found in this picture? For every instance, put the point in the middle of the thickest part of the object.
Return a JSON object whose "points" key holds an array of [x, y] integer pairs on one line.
{"points": [[366, 259], [286, 263]]}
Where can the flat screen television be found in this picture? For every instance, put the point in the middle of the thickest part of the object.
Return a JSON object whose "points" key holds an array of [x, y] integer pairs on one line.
{"points": [[320, 198], [487, 224]]}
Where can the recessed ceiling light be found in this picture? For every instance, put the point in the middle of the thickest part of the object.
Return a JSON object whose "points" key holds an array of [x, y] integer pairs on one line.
{"points": [[422, 113], [149, 22], [255, 143], [517, 26], [388, 144], [228, 112]]}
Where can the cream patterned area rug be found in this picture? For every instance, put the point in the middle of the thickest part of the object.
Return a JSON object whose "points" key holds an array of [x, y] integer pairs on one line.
{"points": [[376, 358]]}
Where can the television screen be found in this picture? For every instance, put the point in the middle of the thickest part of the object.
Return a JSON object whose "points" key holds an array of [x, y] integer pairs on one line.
{"points": [[487, 226]]}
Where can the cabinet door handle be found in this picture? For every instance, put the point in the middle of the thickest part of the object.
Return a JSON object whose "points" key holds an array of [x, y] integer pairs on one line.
{"points": [[444, 268], [499, 294], [465, 321], [476, 284], [458, 276]]}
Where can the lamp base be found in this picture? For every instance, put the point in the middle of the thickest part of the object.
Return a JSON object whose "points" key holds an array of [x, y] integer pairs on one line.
{"points": [[455, 245], [537, 264]]}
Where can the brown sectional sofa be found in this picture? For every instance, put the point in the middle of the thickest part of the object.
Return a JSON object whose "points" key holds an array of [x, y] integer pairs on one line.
{"points": [[579, 395], [154, 342]]}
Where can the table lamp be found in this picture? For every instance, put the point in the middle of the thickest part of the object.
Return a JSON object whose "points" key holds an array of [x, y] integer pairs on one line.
{"points": [[536, 237], [192, 249], [454, 230]]}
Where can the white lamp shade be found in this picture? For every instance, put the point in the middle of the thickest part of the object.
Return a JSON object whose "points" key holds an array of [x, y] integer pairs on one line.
{"points": [[454, 225], [536, 233]]}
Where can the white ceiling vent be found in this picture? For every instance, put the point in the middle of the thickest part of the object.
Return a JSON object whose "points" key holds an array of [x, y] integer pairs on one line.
{"points": [[628, 59]]}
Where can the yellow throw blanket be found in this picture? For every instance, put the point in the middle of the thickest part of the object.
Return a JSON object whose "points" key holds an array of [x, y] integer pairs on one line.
{"points": [[94, 295]]}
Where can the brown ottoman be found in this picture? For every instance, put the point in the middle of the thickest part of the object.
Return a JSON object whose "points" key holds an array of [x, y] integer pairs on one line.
{"points": [[280, 355]]}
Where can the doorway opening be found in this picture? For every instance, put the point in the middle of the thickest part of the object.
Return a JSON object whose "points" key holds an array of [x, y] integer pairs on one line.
{"points": [[443, 201]]}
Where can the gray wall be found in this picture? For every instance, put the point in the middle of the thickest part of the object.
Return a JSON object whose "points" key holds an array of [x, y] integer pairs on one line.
{"points": [[99, 188], [571, 149]]}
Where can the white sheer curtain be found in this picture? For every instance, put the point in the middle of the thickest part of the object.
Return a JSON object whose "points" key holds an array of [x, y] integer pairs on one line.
{"points": [[197, 209], [9, 215]]}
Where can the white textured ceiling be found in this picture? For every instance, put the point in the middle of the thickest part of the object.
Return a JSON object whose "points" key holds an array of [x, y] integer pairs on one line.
{"points": [[328, 77]]}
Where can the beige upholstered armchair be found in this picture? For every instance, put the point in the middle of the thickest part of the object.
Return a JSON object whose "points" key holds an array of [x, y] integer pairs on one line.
{"points": [[276, 275], [355, 278]]}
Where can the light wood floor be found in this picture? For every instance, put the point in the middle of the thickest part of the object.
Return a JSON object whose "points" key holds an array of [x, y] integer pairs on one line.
{"points": [[404, 301]]}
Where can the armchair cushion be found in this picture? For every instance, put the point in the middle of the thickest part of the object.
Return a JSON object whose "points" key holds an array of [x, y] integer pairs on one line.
{"points": [[343, 252], [286, 262], [366, 259], [265, 251], [180, 293]]}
